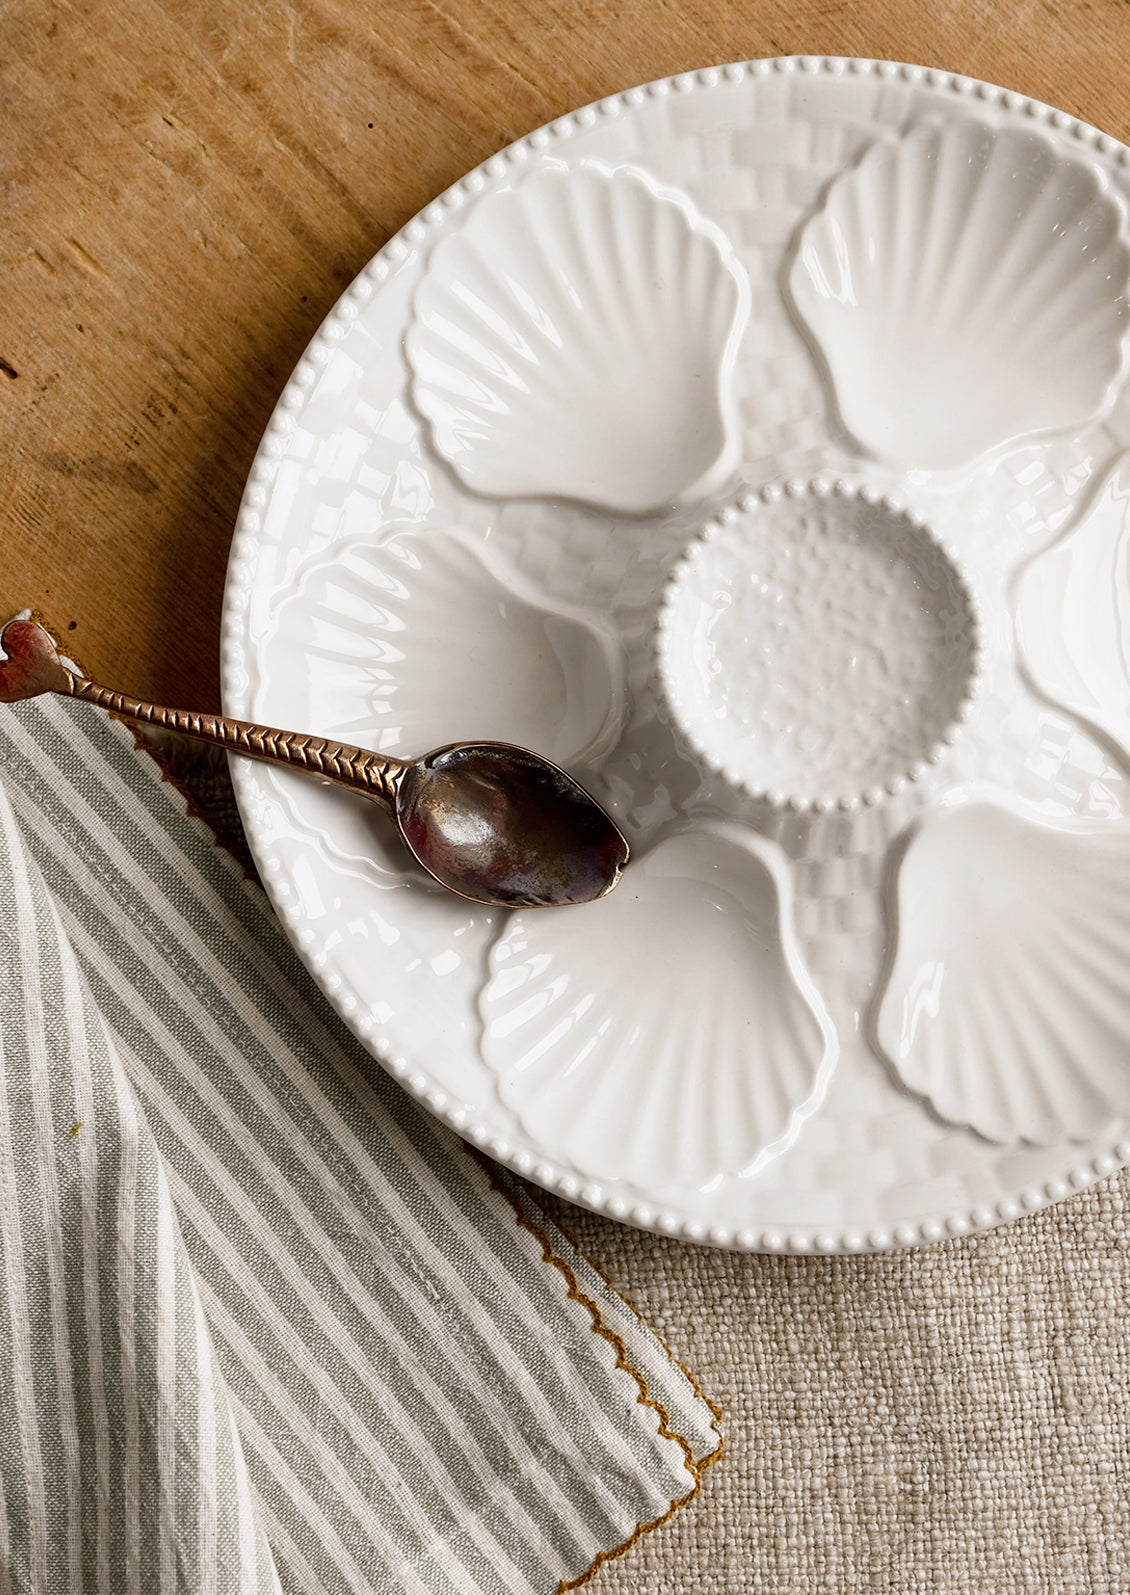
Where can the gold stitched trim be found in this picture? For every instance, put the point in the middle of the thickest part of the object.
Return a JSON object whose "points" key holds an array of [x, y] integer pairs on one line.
{"points": [[537, 1198], [599, 1327]]}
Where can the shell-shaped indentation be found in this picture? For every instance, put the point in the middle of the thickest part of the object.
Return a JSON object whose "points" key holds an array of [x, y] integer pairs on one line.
{"points": [[1073, 614], [966, 287], [669, 1032], [1007, 1004], [575, 338], [424, 638]]}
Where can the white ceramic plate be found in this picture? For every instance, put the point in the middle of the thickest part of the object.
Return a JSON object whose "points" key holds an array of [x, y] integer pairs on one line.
{"points": [[751, 443]]}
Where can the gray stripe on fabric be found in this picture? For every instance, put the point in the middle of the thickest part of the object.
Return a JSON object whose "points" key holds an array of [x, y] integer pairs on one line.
{"points": [[257, 1572], [165, 1392], [125, 1299], [6, 1587], [147, 1369], [209, 1546], [84, 1145], [495, 1563], [26, 1509], [51, 1443], [58, 1423], [541, 1343], [308, 1422], [174, 853], [92, 1149], [193, 1493]]}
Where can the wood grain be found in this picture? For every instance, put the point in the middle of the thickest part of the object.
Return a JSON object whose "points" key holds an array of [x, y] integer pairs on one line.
{"points": [[187, 188]]}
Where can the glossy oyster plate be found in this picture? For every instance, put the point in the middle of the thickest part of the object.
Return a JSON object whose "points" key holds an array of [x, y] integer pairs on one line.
{"points": [[750, 443]]}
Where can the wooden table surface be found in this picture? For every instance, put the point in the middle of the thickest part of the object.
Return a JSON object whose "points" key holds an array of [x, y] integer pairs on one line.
{"points": [[188, 185]]}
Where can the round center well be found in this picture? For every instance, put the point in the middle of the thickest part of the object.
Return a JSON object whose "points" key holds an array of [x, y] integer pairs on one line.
{"points": [[819, 647]]}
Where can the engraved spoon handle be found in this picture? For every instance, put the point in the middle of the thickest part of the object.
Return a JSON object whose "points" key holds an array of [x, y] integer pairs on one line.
{"points": [[376, 775]]}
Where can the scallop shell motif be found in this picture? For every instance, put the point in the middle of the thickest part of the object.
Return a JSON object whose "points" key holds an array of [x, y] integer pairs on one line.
{"points": [[671, 1034], [1007, 1005], [1073, 614], [966, 287], [426, 638], [576, 337]]}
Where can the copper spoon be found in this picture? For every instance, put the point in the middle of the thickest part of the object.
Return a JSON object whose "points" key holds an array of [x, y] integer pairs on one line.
{"points": [[493, 823]]}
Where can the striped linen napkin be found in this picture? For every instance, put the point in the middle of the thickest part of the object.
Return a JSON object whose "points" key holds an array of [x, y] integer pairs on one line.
{"points": [[268, 1326]]}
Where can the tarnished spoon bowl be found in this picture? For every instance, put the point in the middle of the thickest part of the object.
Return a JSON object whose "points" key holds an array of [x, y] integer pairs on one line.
{"points": [[491, 822]]}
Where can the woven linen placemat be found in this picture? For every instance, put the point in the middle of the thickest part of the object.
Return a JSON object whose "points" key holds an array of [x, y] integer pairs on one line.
{"points": [[953, 1419]]}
